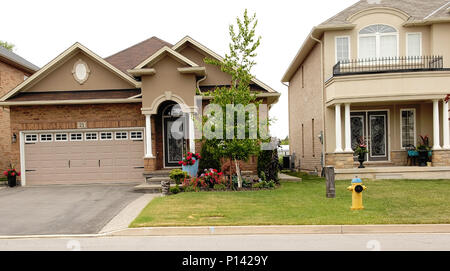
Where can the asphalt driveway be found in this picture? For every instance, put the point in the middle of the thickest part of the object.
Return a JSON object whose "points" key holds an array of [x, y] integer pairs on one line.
{"points": [[61, 209]]}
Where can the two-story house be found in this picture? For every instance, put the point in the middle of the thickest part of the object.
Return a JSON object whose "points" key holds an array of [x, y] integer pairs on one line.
{"points": [[378, 70], [13, 70]]}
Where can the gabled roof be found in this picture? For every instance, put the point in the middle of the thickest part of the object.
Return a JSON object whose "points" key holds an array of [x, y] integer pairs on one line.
{"points": [[72, 50], [161, 53], [131, 57], [416, 12], [214, 55], [16, 60]]}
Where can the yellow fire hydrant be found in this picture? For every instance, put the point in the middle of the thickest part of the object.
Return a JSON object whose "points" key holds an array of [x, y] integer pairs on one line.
{"points": [[357, 188]]}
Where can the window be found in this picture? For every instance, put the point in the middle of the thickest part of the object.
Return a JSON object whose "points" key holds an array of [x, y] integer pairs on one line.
{"points": [[46, 137], [342, 49], [91, 136], [414, 44], [408, 127], [60, 137], [106, 136], [76, 137], [121, 135], [136, 135], [31, 138], [378, 41]]}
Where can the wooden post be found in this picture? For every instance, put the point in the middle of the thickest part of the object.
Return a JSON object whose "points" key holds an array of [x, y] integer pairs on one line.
{"points": [[329, 175]]}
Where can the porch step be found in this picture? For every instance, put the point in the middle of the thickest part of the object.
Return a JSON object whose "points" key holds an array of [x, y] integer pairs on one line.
{"points": [[148, 188]]}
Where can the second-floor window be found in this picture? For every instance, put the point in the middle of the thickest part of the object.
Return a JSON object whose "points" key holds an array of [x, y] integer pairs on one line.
{"points": [[342, 49], [378, 41], [414, 44]]}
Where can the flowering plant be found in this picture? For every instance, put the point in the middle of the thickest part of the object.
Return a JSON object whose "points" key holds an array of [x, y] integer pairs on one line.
{"points": [[11, 172], [361, 149], [190, 159], [212, 177]]}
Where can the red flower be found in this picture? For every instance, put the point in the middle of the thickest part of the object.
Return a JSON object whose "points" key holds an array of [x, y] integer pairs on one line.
{"points": [[18, 173], [13, 174], [5, 173]]}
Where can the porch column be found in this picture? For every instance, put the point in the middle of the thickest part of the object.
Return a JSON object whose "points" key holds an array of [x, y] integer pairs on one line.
{"points": [[338, 128], [445, 125], [436, 133], [148, 136], [348, 131], [191, 133]]}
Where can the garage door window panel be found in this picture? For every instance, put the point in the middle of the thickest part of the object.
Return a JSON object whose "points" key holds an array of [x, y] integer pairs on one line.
{"points": [[91, 136], [61, 137], [121, 135], [76, 137], [46, 137], [31, 138], [106, 136], [136, 135]]}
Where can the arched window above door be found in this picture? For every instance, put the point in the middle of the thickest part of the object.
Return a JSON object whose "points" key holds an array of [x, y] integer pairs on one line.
{"points": [[378, 41]]}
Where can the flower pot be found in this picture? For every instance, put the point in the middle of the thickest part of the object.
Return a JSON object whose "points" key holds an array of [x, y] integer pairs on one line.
{"points": [[361, 160], [423, 158], [192, 170], [12, 181]]}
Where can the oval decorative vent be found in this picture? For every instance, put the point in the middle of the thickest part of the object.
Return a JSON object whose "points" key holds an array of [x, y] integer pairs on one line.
{"points": [[80, 71]]}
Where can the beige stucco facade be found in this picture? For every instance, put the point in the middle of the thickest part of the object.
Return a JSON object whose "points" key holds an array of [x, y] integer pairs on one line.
{"points": [[366, 94]]}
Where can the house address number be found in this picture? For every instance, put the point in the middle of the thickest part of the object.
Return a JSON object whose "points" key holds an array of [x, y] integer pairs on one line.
{"points": [[82, 125]]}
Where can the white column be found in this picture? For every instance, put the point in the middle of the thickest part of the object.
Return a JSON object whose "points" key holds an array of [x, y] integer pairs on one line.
{"points": [[436, 133], [148, 137], [348, 131], [191, 133], [338, 128], [445, 125]]}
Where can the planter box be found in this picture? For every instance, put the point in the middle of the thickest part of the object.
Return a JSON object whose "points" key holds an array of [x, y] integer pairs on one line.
{"points": [[192, 170]]}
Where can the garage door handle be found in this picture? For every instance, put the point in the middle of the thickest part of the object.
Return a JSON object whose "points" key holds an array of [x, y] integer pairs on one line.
{"points": [[98, 163], [138, 167], [30, 170], [69, 163]]}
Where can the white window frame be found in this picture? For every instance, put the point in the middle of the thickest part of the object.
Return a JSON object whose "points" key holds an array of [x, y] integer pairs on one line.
{"points": [[121, 132], [335, 48], [137, 138], [76, 140], [401, 126], [91, 133], [31, 141], [106, 139], [377, 40], [61, 140], [420, 44], [46, 134]]}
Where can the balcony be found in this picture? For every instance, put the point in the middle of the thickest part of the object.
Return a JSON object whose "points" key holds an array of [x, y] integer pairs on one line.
{"points": [[388, 65]]}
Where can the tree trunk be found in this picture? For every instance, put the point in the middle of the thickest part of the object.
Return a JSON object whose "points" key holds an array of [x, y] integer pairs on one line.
{"points": [[238, 173]]}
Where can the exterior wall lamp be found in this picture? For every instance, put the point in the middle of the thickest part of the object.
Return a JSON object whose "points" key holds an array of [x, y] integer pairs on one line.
{"points": [[14, 138]]}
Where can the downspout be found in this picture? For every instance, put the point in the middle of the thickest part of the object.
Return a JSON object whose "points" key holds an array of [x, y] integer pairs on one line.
{"points": [[323, 98], [198, 83]]}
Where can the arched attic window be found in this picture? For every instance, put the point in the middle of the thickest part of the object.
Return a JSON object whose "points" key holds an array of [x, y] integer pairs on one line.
{"points": [[378, 41]]}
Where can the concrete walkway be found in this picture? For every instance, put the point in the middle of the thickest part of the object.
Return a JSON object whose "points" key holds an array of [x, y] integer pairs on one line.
{"points": [[128, 214], [285, 177]]}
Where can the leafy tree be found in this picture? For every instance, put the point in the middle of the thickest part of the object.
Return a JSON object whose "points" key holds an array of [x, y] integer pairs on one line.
{"points": [[210, 159], [7, 45], [285, 141], [237, 63]]}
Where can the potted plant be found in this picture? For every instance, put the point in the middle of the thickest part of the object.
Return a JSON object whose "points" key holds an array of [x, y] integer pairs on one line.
{"points": [[11, 174], [423, 148], [361, 151], [190, 162]]}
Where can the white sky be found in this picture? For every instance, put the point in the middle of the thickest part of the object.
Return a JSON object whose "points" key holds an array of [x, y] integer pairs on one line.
{"points": [[43, 29]]}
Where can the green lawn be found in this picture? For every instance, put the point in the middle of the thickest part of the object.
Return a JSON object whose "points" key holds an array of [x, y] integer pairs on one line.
{"points": [[386, 202]]}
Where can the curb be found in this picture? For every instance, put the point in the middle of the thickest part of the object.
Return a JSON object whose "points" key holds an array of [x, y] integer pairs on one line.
{"points": [[304, 229], [257, 230]]}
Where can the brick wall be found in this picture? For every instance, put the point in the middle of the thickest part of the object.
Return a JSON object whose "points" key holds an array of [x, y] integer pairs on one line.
{"points": [[441, 158], [399, 158], [305, 113], [56, 117], [10, 77]]}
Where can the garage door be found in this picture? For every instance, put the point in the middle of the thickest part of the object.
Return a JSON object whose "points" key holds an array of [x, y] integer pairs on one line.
{"points": [[84, 157]]}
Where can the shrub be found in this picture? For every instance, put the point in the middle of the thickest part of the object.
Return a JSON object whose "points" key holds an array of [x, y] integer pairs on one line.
{"points": [[175, 190], [210, 159], [212, 176], [177, 175], [268, 164], [220, 187], [264, 184], [189, 188]]}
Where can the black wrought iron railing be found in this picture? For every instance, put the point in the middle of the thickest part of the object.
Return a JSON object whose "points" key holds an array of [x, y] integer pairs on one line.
{"points": [[388, 64]]}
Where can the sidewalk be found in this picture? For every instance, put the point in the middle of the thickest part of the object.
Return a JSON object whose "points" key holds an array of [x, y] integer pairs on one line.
{"points": [[285, 177]]}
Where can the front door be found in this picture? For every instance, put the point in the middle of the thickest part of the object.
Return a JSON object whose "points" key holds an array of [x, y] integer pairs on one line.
{"points": [[373, 127], [173, 141]]}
